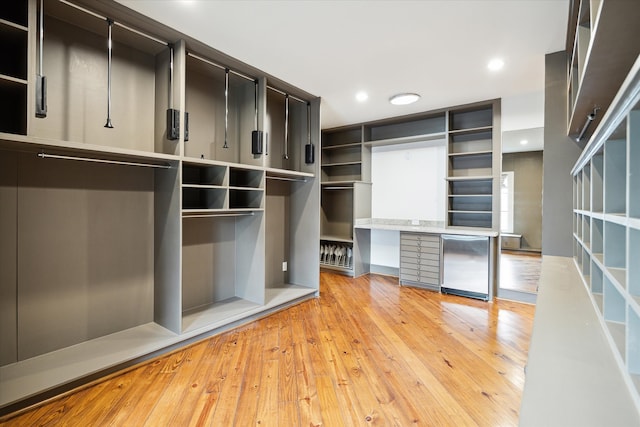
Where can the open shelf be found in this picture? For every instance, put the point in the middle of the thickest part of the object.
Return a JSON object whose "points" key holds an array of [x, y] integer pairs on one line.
{"points": [[13, 42], [615, 254], [471, 118], [597, 179], [615, 180], [419, 126]]}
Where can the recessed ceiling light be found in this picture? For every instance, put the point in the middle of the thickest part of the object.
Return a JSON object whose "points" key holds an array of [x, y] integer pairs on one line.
{"points": [[404, 98], [524, 142], [495, 64], [362, 96]]}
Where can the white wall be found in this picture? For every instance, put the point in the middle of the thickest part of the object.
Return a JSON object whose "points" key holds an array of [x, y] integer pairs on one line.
{"points": [[408, 183]]}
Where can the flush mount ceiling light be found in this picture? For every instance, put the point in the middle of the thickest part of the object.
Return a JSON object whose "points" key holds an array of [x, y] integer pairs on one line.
{"points": [[495, 64], [362, 96], [524, 142], [404, 98]]}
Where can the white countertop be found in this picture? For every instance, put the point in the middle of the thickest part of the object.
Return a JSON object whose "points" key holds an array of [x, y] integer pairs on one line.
{"points": [[572, 377], [434, 227]]}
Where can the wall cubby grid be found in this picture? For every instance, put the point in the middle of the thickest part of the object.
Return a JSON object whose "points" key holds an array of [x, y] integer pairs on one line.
{"points": [[607, 226]]}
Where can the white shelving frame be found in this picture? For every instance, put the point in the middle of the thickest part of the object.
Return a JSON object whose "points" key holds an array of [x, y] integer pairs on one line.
{"points": [[607, 226]]}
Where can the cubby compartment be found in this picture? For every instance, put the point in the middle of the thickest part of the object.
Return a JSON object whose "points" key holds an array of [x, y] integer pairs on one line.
{"points": [[341, 137], [634, 264], [336, 255], [597, 284], [406, 129], [579, 190], [471, 119], [289, 252], [222, 272], [579, 227], [470, 219], [597, 239], [204, 175], [586, 188], [476, 187], [222, 112], [342, 172], [13, 109], [597, 179], [615, 243], [342, 155], [15, 11], [470, 165], [286, 126], [203, 198], [477, 203], [615, 171], [82, 104], [634, 160], [246, 178], [586, 265], [615, 314], [586, 231], [13, 43], [633, 347], [470, 142], [336, 214]]}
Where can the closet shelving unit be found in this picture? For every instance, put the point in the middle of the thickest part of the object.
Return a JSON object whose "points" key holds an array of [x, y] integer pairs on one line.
{"points": [[473, 168], [143, 240], [14, 33], [600, 56], [607, 226], [471, 134]]}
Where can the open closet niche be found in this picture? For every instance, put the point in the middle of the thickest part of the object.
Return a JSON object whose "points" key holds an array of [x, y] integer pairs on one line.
{"points": [[223, 109], [117, 96], [288, 132]]}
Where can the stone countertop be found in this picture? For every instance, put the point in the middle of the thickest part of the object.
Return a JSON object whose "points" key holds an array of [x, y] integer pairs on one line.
{"points": [[435, 227]]}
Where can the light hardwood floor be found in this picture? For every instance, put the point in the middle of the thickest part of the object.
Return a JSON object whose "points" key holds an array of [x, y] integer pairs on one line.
{"points": [[367, 352], [520, 271]]}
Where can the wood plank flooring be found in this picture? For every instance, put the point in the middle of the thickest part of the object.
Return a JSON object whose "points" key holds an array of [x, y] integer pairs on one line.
{"points": [[367, 352], [520, 271]]}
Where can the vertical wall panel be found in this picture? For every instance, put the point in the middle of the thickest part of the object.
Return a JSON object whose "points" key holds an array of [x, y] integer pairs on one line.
{"points": [[8, 236]]}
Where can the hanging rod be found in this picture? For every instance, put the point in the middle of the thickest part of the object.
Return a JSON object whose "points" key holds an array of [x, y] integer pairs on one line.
{"points": [[126, 27], [222, 67], [114, 162], [282, 178], [590, 118], [214, 215], [337, 188], [287, 94]]}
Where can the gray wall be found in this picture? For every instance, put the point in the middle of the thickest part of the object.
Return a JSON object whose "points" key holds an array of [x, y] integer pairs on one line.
{"points": [[560, 154], [527, 195]]}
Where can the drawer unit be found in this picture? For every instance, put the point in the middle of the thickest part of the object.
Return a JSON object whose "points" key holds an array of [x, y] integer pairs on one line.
{"points": [[420, 260]]}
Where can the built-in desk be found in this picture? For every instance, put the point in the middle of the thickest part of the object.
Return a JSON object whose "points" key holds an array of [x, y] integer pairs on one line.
{"points": [[572, 378]]}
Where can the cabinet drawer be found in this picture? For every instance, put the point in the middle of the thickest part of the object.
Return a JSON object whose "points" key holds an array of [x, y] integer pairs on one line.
{"points": [[422, 263], [420, 243], [419, 275], [427, 253]]}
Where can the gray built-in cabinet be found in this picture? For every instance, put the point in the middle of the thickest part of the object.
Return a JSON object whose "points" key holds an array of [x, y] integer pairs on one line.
{"points": [[472, 135], [120, 243]]}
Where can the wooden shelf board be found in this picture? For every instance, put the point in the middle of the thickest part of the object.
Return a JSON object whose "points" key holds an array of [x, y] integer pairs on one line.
{"points": [[285, 293], [204, 186], [233, 187], [13, 25], [284, 173], [470, 178], [620, 274], [471, 195]]}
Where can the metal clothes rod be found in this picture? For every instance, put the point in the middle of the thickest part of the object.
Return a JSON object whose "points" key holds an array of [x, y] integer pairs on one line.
{"points": [[222, 67], [337, 188], [286, 94], [281, 178], [114, 162], [590, 118], [126, 27]]}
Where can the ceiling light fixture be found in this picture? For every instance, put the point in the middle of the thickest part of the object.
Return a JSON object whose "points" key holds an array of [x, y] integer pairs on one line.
{"points": [[495, 64], [362, 96], [524, 142], [404, 98]]}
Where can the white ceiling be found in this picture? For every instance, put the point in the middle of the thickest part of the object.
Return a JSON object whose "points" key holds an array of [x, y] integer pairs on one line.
{"points": [[333, 49]]}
